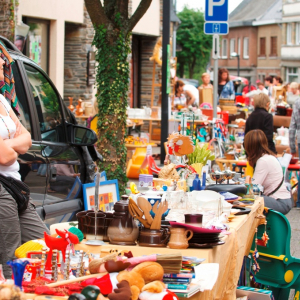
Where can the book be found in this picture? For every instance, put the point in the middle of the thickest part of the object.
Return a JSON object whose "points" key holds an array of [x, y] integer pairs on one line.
{"points": [[172, 286], [178, 280], [180, 275], [189, 292]]}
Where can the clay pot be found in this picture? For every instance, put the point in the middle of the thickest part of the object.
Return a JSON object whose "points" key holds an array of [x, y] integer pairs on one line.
{"points": [[179, 239], [71, 106], [79, 109], [153, 237]]}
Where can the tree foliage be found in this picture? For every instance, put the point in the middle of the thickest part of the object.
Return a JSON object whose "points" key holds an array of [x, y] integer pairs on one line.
{"points": [[113, 27], [196, 46]]}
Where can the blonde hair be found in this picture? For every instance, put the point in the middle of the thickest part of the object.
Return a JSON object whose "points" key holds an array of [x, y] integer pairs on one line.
{"points": [[205, 74], [261, 100], [294, 85]]}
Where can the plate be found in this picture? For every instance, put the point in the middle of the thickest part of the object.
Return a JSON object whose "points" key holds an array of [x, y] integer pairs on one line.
{"points": [[243, 210], [207, 245], [194, 228]]}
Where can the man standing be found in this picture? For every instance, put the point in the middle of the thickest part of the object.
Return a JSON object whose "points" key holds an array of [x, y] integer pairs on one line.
{"points": [[269, 85], [295, 127]]}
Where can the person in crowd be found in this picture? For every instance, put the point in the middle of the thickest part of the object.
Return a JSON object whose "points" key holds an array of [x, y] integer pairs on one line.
{"points": [[261, 119], [15, 228], [189, 88], [267, 172], [277, 81], [225, 85], [269, 85], [205, 82], [294, 94], [261, 89], [248, 89], [182, 98], [293, 130]]}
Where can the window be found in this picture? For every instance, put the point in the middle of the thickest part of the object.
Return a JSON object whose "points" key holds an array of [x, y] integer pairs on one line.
{"points": [[239, 46], [261, 77], [224, 48], [262, 46], [246, 48], [297, 38], [289, 34], [273, 49], [232, 46], [47, 106], [291, 74]]}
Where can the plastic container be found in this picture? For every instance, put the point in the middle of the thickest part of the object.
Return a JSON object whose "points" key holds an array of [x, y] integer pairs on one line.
{"points": [[208, 112], [225, 116], [239, 99], [289, 112]]}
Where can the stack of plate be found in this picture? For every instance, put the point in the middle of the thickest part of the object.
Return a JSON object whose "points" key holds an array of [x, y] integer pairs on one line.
{"points": [[205, 240]]}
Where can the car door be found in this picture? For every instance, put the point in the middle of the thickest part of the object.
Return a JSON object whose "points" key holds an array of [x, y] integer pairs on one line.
{"points": [[32, 163], [64, 163]]}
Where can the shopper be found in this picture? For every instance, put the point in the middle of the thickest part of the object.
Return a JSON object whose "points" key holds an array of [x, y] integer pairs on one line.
{"points": [[267, 172], [182, 98], [205, 82], [294, 94], [15, 228], [261, 89], [261, 119], [269, 85], [225, 85], [295, 128], [277, 81]]}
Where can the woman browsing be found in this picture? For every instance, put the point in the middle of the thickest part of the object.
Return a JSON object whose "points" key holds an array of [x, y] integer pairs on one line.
{"points": [[225, 85], [15, 228], [267, 172], [182, 98]]}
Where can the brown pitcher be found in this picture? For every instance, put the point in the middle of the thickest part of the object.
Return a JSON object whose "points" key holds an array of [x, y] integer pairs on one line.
{"points": [[179, 239], [153, 237]]}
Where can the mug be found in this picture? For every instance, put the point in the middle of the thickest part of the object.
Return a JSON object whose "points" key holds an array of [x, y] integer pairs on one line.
{"points": [[153, 237], [179, 239], [193, 219], [90, 234], [83, 221]]}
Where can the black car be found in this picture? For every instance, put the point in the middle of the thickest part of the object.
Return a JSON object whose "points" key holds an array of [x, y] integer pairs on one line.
{"points": [[61, 153]]}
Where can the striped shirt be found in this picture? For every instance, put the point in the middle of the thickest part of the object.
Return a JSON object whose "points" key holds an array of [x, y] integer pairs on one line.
{"points": [[295, 126]]}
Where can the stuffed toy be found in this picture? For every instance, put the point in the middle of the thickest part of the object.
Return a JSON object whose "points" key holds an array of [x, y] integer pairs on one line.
{"points": [[138, 278], [179, 144]]}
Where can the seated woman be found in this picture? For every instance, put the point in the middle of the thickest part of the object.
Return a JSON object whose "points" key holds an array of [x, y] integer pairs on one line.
{"points": [[267, 172], [182, 98]]}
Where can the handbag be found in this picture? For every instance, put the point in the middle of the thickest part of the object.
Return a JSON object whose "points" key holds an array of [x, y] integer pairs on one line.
{"points": [[273, 192], [18, 190]]}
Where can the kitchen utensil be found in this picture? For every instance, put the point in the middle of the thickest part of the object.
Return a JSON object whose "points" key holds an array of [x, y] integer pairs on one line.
{"points": [[153, 238], [159, 209], [137, 213], [146, 207]]}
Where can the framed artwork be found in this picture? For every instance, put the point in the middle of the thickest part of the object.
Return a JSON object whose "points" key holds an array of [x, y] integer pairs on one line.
{"points": [[108, 195], [102, 176], [75, 190]]}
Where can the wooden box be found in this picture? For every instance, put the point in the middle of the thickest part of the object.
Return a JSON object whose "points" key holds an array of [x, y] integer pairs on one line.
{"points": [[206, 96], [231, 109]]}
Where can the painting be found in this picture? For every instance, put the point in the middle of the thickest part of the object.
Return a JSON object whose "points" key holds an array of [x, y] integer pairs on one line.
{"points": [[108, 195]]}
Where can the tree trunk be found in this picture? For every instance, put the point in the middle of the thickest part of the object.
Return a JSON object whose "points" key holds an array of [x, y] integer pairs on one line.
{"points": [[192, 67]]}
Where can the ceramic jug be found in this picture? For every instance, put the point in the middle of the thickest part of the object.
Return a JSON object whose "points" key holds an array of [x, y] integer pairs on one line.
{"points": [[122, 229], [153, 237], [179, 239], [71, 106]]}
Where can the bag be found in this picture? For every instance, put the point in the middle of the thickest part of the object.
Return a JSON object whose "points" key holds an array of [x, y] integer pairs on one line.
{"points": [[280, 184], [18, 190]]}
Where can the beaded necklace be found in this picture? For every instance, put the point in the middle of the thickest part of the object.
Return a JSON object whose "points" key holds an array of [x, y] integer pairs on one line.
{"points": [[8, 131]]}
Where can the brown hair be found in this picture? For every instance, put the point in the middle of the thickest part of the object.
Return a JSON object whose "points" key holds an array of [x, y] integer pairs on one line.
{"points": [[261, 100], [278, 78], [256, 145], [221, 71], [177, 85], [260, 83], [269, 78]]}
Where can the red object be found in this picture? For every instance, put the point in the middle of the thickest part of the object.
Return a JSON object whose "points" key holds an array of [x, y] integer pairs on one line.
{"points": [[294, 167], [243, 79], [289, 112], [152, 167], [225, 116], [240, 99], [246, 90], [61, 244], [104, 283], [32, 270], [241, 163], [208, 112]]}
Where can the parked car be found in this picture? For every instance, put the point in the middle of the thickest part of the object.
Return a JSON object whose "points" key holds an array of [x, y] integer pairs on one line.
{"points": [[61, 150]]}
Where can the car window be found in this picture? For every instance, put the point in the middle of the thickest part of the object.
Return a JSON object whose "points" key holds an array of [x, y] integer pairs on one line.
{"points": [[47, 105], [23, 109]]}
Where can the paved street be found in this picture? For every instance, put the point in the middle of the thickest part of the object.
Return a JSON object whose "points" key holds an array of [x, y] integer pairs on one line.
{"points": [[293, 217]]}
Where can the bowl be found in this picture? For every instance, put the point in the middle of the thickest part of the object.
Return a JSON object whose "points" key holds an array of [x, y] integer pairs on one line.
{"points": [[218, 177]]}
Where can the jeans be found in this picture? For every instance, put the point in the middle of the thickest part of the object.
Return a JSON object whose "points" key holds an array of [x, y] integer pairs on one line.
{"points": [[281, 205]]}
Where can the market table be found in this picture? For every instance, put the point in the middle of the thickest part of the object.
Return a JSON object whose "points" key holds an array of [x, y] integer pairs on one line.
{"points": [[229, 256]]}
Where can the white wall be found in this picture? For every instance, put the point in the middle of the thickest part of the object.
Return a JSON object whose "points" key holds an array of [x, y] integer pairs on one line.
{"points": [[58, 12]]}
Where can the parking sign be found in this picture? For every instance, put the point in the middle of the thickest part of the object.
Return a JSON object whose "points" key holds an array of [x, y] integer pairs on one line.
{"points": [[216, 10]]}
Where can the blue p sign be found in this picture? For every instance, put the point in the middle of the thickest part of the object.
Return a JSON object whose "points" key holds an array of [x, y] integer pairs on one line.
{"points": [[216, 10]]}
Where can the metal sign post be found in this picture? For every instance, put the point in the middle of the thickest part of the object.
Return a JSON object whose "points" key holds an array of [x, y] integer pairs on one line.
{"points": [[215, 55]]}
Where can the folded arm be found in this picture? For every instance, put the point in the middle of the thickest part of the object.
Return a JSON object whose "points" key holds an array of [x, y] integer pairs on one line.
{"points": [[8, 155]]}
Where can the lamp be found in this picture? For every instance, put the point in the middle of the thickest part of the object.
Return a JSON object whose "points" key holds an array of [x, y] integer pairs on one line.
{"points": [[234, 54]]}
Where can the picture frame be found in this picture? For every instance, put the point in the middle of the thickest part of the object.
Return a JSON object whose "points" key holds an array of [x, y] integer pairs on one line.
{"points": [[108, 195]]}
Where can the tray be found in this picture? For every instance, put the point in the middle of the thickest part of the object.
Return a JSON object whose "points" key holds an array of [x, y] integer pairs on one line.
{"points": [[207, 245]]}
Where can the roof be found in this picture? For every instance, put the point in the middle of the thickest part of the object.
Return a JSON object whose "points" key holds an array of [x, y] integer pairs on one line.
{"points": [[253, 10]]}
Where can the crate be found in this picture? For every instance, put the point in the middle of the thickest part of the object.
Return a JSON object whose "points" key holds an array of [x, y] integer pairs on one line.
{"points": [[228, 102], [231, 109]]}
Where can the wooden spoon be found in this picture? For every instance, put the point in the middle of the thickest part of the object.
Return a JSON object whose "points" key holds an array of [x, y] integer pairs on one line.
{"points": [[159, 211], [137, 213], [146, 207]]}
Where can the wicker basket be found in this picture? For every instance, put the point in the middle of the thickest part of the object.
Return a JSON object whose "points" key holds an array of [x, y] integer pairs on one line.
{"points": [[228, 102]]}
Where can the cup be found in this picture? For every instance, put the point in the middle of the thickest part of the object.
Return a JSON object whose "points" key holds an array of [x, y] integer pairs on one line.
{"points": [[153, 237], [179, 238], [193, 219], [91, 226]]}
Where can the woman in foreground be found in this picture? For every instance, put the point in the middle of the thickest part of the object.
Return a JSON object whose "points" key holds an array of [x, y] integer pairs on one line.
{"points": [[267, 172]]}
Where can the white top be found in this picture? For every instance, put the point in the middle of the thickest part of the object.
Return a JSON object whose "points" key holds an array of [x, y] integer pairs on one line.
{"points": [[193, 90], [7, 122], [256, 92], [268, 172]]}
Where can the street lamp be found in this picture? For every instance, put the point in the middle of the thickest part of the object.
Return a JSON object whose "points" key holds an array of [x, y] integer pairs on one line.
{"points": [[234, 54]]}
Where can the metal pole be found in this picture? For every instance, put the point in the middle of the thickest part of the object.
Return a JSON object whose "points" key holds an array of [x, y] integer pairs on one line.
{"points": [[165, 96], [174, 41], [215, 80], [238, 70]]}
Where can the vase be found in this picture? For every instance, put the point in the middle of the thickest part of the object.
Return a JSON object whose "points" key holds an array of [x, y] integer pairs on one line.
{"points": [[18, 267], [71, 106], [79, 109], [197, 183]]}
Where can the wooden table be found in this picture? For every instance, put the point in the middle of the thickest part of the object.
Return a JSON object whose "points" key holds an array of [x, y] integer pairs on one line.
{"points": [[229, 256]]}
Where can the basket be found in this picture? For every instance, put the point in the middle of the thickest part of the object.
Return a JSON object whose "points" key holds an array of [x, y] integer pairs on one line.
{"points": [[229, 102]]}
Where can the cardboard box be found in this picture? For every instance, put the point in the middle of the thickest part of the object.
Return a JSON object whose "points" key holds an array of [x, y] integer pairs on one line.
{"points": [[231, 109], [206, 96]]}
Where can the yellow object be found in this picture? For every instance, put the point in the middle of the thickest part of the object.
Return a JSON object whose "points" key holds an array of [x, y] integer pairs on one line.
{"points": [[93, 123], [198, 168], [29, 246], [159, 182], [249, 170], [133, 188], [289, 276], [280, 257], [134, 164]]}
